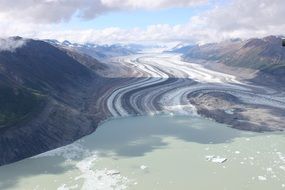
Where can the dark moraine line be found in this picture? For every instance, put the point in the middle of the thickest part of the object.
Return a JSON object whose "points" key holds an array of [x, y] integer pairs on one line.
{"points": [[138, 82], [180, 84], [126, 99]]}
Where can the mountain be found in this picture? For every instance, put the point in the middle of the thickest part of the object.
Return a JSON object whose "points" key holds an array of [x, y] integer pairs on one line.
{"points": [[43, 97], [181, 48], [97, 51], [265, 55], [16, 103], [41, 66], [252, 53]]}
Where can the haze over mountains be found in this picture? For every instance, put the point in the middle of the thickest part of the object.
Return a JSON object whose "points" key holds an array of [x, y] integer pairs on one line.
{"points": [[98, 51]]}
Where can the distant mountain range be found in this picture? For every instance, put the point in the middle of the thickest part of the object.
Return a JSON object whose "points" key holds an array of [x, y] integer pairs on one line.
{"points": [[266, 55], [99, 51]]}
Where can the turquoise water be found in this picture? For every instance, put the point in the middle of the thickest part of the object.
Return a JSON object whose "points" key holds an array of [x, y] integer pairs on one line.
{"points": [[157, 152]]}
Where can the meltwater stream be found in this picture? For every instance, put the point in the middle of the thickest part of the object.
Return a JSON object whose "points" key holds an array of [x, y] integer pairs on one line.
{"points": [[156, 152]]}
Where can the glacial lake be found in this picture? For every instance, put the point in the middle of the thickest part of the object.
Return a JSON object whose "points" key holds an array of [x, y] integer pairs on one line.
{"points": [[156, 152]]}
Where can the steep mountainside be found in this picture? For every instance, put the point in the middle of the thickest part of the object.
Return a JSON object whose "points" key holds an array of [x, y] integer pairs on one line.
{"points": [[266, 55], [43, 94], [16, 103], [41, 66], [253, 53]]}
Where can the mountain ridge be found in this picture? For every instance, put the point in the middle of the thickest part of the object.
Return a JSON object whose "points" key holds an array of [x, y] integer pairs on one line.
{"points": [[265, 55], [43, 96]]}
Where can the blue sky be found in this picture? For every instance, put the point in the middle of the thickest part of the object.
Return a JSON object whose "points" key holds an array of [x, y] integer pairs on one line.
{"points": [[138, 21], [141, 18], [127, 19]]}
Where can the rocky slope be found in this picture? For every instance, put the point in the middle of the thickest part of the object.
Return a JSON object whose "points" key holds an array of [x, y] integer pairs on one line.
{"points": [[259, 62], [43, 97], [265, 55]]}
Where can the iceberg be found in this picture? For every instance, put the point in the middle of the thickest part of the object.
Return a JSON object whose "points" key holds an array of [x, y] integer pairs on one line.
{"points": [[216, 159]]}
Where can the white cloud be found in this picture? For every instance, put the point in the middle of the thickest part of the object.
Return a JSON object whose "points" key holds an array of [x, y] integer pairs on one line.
{"points": [[11, 44], [151, 4], [55, 11], [239, 18], [49, 11]]}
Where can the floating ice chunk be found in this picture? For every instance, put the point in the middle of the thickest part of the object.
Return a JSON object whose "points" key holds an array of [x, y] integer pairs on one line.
{"points": [[281, 156], [101, 179], [269, 169], [262, 178], [216, 159], [113, 172], [68, 152], [219, 160], [282, 167], [209, 158], [143, 167], [63, 187], [237, 152]]}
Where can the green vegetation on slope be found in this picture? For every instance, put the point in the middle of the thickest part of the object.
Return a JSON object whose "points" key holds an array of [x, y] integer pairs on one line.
{"points": [[17, 104]]}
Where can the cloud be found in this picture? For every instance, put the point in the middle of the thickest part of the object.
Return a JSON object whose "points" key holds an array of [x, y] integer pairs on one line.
{"points": [[151, 4], [11, 44], [55, 11], [152, 34], [251, 18], [236, 19], [49, 11]]}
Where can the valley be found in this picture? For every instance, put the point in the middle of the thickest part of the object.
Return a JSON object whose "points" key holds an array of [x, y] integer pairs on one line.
{"points": [[142, 95], [141, 120], [149, 82], [166, 84]]}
